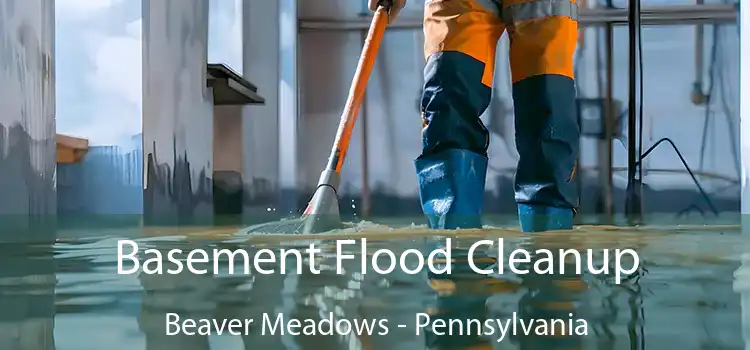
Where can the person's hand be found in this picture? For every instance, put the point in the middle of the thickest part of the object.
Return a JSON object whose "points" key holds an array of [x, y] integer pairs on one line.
{"points": [[396, 7]]}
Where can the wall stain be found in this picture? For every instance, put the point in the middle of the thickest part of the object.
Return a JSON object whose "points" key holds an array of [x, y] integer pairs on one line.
{"points": [[169, 197], [27, 200]]}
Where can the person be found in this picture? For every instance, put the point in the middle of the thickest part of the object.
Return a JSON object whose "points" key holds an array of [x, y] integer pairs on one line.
{"points": [[460, 42]]}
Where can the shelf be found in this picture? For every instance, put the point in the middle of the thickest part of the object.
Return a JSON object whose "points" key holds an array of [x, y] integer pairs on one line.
{"points": [[230, 88]]}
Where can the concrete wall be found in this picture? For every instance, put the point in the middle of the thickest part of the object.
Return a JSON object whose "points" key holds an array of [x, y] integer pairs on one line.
{"points": [[227, 149], [27, 114], [177, 112]]}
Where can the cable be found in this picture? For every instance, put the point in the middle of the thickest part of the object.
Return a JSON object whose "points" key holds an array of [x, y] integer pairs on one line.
{"points": [[636, 48], [687, 168]]}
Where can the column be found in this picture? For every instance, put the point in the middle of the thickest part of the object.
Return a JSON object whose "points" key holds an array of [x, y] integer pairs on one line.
{"points": [[288, 109], [228, 162], [27, 121], [225, 47], [742, 275], [261, 125], [177, 113], [744, 28]]}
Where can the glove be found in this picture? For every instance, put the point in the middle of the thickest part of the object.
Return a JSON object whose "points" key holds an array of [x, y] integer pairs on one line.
{"points": [[396, 7]]}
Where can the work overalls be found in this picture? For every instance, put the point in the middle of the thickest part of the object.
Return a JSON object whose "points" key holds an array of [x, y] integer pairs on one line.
{"points": [[460, 41]]}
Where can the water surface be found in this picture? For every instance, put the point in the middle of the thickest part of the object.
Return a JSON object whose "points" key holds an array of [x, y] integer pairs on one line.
{"points": [[69, 296]]}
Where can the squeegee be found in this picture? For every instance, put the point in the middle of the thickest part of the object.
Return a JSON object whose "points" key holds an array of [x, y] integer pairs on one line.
{"points": [[322, 212]]}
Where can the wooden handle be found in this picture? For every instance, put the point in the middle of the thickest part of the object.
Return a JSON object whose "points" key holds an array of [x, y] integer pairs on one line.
{"points": [[357, 90]]}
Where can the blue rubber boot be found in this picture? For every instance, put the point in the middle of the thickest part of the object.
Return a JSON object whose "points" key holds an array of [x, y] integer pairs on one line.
{"points": [[537, 218], [451, 188]]}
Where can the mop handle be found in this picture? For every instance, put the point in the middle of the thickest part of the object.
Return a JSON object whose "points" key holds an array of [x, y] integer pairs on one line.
{"points": [[357, 90]]}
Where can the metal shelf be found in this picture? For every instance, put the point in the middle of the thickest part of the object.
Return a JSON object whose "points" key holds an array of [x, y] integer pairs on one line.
{"points": [[661, 15], [230, 88]]}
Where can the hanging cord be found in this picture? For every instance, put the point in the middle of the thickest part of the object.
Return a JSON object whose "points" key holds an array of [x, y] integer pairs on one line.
{"points": [[687, 168], [724, 88], [717, 77], [645, 154]]}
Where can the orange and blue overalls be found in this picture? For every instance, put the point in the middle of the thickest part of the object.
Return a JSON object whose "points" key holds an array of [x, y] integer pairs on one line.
{"points": [[461, 37]]}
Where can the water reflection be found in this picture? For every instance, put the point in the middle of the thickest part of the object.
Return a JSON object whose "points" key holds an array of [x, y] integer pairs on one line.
{"points": [[27, 297], [186, 295], [555, 297], [687, 296]]}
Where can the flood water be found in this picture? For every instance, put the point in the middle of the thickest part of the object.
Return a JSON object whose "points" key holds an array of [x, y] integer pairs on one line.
{"points": [[68, 296]]}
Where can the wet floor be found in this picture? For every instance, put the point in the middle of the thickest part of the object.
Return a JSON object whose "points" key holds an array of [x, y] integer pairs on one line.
{"points": [[684, 295]]}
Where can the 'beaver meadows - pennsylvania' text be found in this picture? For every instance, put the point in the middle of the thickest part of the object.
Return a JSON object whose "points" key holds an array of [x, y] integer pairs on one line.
{"points": [[278, 325]]}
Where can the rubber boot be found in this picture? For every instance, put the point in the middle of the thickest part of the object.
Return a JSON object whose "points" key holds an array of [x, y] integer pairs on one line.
{"points": [[451, 188], [537, 218]]}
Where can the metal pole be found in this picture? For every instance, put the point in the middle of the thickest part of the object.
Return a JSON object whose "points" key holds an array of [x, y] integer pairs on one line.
{"points": [[605, 146], [698, 96], [366, 199], [632, 207]]}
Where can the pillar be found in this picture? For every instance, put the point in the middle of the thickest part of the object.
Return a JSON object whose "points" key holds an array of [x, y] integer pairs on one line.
{"points": [[27, 172], [260, 60], [742, 275], [260, 56], [288, 109], [744, 27], [27, 120], [270, 130], [225, 47], [177, 113], [228, 162]]}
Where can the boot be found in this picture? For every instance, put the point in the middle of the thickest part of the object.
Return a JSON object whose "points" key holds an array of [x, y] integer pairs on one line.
{"points": [[537, 218], [451, 188]]}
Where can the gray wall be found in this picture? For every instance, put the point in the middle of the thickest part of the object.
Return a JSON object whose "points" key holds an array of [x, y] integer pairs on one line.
{"points": [[27, 115]]}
